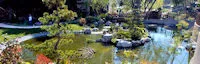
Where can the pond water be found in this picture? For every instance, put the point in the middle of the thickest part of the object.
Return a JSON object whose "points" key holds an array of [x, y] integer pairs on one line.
{"points": [[159, 51], [103, 53]]}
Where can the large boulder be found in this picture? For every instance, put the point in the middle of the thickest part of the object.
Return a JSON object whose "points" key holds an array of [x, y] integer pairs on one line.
{"points": [[106, 38], [124, 43]]}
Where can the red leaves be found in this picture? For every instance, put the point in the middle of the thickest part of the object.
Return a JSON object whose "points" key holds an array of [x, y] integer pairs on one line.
{"points": [[42, 59]]}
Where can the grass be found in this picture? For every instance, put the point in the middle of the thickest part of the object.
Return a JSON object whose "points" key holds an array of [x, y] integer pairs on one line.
{"points": [[14, 33]]}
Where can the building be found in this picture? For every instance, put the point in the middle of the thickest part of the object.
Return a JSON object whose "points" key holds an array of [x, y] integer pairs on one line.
{"points": [[196, 40]]}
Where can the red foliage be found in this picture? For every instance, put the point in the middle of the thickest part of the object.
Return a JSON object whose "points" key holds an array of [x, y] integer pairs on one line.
{"points": [[19, 49], [42, 59]]}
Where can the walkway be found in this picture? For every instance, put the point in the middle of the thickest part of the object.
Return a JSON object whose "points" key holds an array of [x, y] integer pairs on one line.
{"points": [[2, 25], [21, 39]]}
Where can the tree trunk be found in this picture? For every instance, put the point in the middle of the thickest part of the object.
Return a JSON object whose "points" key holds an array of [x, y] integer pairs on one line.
{"points": [[58, 41], [58, 61]]}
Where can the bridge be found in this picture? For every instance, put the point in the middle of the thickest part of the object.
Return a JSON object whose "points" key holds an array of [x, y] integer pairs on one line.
{"points": [[166, 22]]}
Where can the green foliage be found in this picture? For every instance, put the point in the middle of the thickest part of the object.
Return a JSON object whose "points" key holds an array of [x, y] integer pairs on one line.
{"points": [[123, 34], [51, 48], [9, 34], [54, 3], [103, 15], [129, 54], [91, 19], [57, 16], [182, 25], [125, 25], [177, 2], [99, 4], [47, 47], [114, 40], [187, 34], [138, 32], [92, 25]]}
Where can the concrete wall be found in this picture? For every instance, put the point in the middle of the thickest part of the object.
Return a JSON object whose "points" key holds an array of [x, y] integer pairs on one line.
{"points": [[195, 33], [196, 58]]}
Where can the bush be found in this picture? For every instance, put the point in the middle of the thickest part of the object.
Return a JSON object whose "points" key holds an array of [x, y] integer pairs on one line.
{"points": [[82, 21], [103, 15], [123, 34], [125, 25], [92, 25], [182, 24], [138, 33], [91, 19]]}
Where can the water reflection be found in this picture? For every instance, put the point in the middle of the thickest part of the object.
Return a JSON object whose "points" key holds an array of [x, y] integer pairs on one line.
{"points": [[160, 50]]}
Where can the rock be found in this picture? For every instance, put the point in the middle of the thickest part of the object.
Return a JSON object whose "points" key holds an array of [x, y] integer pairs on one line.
{"points": [[106, 38], [190, 47], [136, 43], [123, 43]]}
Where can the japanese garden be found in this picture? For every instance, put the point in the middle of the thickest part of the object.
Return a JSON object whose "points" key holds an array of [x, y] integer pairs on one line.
{"points": [[99, 31]]}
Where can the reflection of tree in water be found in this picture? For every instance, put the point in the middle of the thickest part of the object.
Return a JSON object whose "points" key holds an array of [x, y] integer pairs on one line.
{"points": [[86, 52]]}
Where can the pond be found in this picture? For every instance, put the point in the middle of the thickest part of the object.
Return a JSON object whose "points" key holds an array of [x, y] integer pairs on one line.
{"points": [[103, 53], [160, 51]]}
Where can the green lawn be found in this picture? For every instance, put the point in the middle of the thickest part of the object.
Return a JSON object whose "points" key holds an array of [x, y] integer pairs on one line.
{"points": [[14, 33]]}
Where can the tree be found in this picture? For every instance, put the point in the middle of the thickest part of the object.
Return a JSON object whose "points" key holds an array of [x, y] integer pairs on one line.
{"points": [[53, 4], [57, 29], [97, 5], [177, 2], [47, 48]]}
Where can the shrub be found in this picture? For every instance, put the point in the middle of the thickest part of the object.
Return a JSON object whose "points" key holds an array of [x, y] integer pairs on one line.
{"points": [[123, 34], [91, 19], [182, 24], [103, 15], [138, 33], [92, 25], [82, 21], [125, 25]]}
